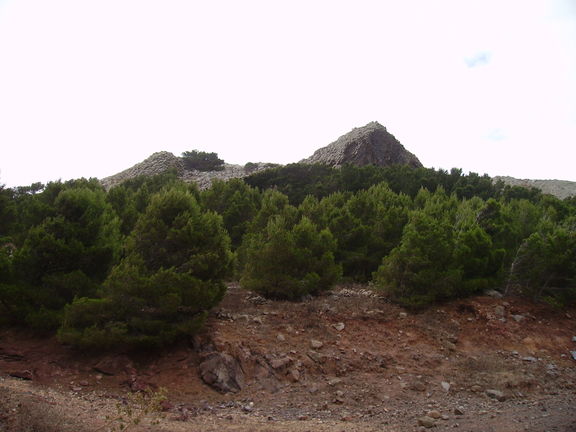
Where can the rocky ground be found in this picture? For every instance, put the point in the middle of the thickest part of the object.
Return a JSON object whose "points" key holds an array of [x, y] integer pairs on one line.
{"points": [[346, 361]]}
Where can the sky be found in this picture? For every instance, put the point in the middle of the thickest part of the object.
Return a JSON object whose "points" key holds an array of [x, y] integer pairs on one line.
{"points": [[89, 88]]}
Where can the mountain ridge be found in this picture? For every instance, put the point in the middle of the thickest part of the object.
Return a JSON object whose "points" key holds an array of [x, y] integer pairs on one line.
{"points": [[371, 144]]}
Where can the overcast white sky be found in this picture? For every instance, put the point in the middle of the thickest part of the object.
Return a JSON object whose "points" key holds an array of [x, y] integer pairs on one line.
{"points": [[91, 87]]}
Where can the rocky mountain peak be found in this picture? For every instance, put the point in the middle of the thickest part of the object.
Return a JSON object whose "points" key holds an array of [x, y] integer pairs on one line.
{"points": [[162, 161], [367, 145], [157, 163]]}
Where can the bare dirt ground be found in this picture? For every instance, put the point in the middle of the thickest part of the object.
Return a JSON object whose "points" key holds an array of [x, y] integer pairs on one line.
{"points": [[346, 361]]}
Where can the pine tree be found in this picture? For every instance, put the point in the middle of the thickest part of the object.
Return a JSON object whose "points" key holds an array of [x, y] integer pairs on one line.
{"points": [[288, 261], [236, 202], [177, 258], [67, 255], [421, 270]]}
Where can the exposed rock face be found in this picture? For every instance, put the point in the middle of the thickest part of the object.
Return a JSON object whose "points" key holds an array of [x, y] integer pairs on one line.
{"points": [[163, 161], [222, 372], [559, 188], [368, 145], [204, 178], [155, 164]]}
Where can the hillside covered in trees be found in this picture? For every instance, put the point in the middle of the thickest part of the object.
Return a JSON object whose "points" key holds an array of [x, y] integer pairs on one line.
{"points": [[141, 264]]}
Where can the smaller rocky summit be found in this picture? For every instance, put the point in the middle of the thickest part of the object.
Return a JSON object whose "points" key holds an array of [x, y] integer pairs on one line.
{"points": [[157, 163], [368, 145], [163, 161], [559, 188]]}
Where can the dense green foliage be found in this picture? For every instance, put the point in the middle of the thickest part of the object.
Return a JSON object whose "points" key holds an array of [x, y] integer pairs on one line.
{"points": [[287, 261], [142, 263], [202, 161], [65, 255], [298, 181], [236, 202], [172, 274]]}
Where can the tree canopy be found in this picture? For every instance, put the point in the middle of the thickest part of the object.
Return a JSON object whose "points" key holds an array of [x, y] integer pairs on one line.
{"points": [[143, 263]]}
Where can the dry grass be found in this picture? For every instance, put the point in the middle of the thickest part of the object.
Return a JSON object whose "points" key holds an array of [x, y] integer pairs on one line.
{"points": [[27, 412]]}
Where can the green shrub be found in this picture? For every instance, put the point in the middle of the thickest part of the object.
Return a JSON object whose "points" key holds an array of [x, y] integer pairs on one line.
{"points": [[284, 262], [202, 161], [250, 166], [545, 266], [419, 271]]}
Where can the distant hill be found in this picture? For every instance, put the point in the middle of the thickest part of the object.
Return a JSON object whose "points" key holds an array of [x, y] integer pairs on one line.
{"points": [[559, 188]]}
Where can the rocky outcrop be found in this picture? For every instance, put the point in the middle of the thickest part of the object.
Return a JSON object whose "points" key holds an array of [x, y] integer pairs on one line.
{"points": [[205, 178], [222, 372], [368, 145], [157, 163], [163, 161], [559, 188]]}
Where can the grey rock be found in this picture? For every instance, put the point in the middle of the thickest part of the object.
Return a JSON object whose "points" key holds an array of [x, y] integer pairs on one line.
{"points": [[279, 363], [316, 344], [222, 372], [317, 357], [294, 375], [339, 326], [445, 386], [334, 381], [459, 411], [426, 422], [499, 311], [280, 337], [368, 145], [496, 394], [518, 318], [573, 353], [493, 294], [529, 359]]}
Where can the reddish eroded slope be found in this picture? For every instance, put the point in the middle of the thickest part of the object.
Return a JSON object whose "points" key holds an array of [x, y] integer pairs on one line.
{"points": [[344, 361]]}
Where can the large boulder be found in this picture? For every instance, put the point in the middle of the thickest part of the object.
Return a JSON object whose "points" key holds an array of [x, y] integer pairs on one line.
{"points": [[368, 145], [222, 372]]}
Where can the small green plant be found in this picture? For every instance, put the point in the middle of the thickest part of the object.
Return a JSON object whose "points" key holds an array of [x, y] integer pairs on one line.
{"points": [[136, 408]]}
